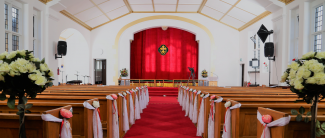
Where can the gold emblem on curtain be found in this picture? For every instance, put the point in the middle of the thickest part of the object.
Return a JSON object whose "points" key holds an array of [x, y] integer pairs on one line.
{"points": [[163, 50]]}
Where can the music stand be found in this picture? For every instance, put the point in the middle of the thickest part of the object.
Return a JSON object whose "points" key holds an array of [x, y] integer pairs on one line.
{"points": [[192, 75]]}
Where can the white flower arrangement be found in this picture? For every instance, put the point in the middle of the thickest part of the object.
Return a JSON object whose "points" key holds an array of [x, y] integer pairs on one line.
{"points": [[202, 95], [96, 104], [228, 104], [191, 90], [124, 93]]}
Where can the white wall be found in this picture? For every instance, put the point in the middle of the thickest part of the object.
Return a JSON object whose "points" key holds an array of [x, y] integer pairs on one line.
{"points": [[77, 58], [219, 55]]}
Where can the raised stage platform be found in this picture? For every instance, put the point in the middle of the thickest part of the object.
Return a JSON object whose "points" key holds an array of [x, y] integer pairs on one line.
{"points": [[160, 91]]}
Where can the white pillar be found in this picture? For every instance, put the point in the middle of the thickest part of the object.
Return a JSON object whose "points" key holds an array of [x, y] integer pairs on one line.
{"points": [[28, 27], [304, 19]]}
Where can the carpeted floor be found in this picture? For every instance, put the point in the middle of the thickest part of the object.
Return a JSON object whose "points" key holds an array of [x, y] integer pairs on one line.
{"points": [[163, 118]]}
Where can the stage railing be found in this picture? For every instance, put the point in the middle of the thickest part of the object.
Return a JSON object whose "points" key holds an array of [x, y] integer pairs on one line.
{"points": [[161, 82]]}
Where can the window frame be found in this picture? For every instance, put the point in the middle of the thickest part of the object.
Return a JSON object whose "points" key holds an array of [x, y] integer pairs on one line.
{"points": [[11, 33], [321, 32]]}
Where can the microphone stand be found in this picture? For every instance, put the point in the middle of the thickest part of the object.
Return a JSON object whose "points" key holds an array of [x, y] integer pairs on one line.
{"points": [[77, 75], [66, 79], [85, 79]]}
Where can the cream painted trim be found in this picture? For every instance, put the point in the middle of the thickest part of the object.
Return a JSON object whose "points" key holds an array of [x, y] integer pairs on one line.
{"points": [[153, 5], [202, 5], [115, 78], [177, 6], [67, 14], [162, 12], [62, 38], [256, 19], [286, 1], [126, 2], [45, 1], [70, 36], [233, 6], [110, 21], [219, 21], [100, 9]]}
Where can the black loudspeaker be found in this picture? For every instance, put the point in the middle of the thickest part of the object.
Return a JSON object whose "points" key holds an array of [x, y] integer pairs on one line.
{"points": [[269, 49], [62, 48]]}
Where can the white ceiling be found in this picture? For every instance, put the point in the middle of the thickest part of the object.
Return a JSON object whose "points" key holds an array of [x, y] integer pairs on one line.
{"points": [[235, 13]]}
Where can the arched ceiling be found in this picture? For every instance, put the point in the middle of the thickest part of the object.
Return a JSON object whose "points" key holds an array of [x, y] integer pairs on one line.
{"points": [[237, 14]]}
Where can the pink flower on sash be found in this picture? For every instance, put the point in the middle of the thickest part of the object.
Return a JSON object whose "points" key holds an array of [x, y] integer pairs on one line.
{"points": [[65, 113], [114, 96], [212, 97], [267, 119]]}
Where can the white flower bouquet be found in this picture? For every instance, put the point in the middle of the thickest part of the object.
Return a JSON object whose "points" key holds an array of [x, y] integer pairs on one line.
{"points": [[306, 78], [21, 76]]}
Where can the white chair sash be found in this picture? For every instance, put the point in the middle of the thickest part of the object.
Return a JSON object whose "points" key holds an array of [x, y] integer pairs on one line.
{"points": [[200, 123], [126, 126], [184, 100], [195, 107], [116, 133], [137, 107], [132, 115], [187, 103], [97, 124], [65, 129], [191, 106], [227, 125], [211, 118], [279, 122]]}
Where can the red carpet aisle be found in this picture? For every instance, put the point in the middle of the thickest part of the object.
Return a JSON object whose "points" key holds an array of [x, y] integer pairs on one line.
{"points": [[163, 118]]}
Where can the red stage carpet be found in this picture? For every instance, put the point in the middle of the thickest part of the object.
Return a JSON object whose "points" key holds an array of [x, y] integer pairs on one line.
{"points": [[163, 118], [160, 91]]}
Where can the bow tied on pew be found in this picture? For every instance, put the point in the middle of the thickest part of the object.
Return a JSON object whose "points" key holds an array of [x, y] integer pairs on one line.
{"points": [[97, 124], [65, 129], [211, 117], [200, 122], [132, 119], [195, 107], [227, 125], [279, 122], [126, 126], [115, 124]]}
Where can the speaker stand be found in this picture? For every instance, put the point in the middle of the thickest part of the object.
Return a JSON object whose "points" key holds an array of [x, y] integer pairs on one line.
{"points": [[270, 69]]}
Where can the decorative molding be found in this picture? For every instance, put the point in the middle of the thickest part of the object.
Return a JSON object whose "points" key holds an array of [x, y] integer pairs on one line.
{"points": [[62, 38], [100, 9], [256, 19], [177, 6], [153, 6], [202, 5], [161, 12], [126, 2], [233, 6], [286, 1], [45, 1], [219, 21], [67, 14], [109, 21]]}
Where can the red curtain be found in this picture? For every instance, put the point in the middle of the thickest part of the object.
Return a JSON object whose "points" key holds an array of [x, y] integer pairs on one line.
{"points": [[148, 63]]}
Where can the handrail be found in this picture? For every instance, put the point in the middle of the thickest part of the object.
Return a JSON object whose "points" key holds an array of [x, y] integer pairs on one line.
{"points": [[161, 82]]}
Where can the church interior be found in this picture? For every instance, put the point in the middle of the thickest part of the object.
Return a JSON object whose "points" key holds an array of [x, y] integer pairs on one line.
{"points": [[162, 69]]}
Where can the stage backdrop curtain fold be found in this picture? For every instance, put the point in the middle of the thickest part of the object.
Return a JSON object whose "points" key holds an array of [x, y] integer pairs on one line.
{"points": [[148, 63]]}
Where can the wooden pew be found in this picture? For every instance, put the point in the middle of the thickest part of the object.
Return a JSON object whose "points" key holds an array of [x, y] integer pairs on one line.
{"points": [[35, 126]]}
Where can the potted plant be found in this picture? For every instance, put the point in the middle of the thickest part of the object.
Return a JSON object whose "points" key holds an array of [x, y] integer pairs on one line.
{"points": [[306, 78], [124, 73], [204, 74], [21, 76]]}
